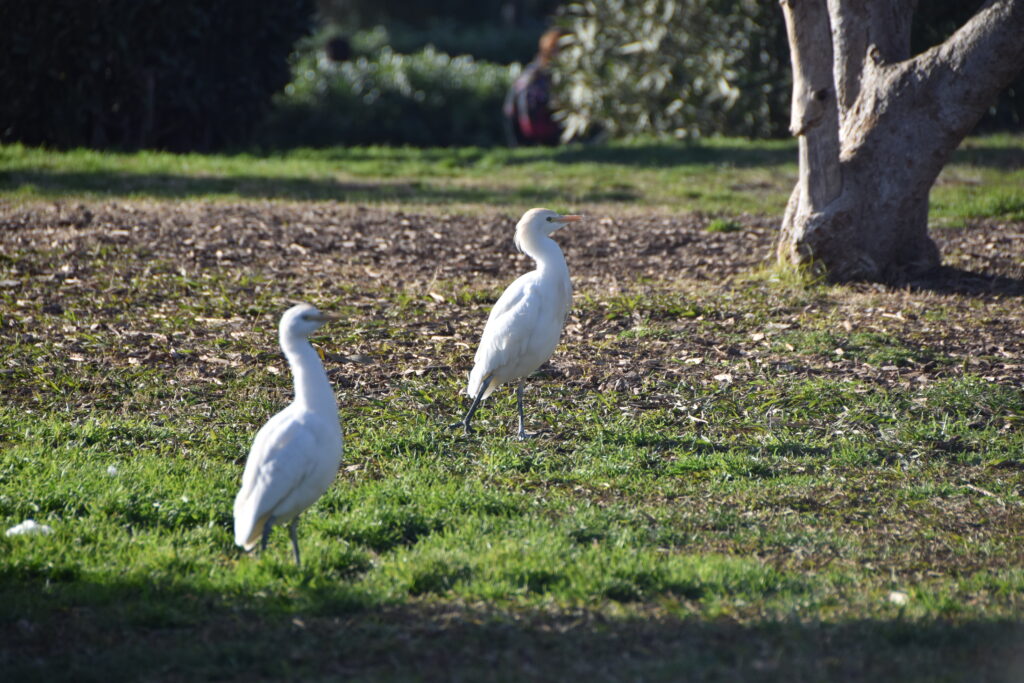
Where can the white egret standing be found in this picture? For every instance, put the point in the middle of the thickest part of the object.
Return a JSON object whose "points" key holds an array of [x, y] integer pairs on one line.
{"points": [[296, 455], [525, 324]]}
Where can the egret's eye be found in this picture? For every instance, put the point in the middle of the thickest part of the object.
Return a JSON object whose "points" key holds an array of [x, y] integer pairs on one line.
{"points": [[549, 219]]}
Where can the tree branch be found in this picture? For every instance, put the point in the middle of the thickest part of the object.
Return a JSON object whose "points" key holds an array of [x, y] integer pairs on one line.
{"points": [[977, 61], [954, 82], [855, 27], [814, 116]]}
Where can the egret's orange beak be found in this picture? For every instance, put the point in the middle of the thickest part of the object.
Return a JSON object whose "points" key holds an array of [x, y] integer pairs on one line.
{"points": [[562, 221]]}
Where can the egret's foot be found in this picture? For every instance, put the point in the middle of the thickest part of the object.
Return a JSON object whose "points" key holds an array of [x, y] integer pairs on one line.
{"points": [[465, 426], [523, 435]]}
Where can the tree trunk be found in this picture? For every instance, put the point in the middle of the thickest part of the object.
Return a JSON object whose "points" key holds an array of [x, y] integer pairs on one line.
{"points": [[876, 126]]}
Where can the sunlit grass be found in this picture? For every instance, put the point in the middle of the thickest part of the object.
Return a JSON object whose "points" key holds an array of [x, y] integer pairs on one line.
{"points": [[733, 478], [717, 176]]}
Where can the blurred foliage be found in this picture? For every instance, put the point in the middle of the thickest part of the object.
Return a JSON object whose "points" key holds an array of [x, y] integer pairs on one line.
{"points": [[427, 98], [501, 31], [681, 67], [172, 74], [367, 13], [489, 42]]}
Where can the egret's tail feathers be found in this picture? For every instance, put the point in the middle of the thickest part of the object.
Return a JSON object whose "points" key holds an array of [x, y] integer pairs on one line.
{"points": [[476, 380]]}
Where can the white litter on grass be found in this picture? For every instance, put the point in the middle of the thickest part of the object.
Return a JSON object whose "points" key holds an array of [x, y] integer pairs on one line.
{"points": [[29, 527], [899, 598], [111, 470]]}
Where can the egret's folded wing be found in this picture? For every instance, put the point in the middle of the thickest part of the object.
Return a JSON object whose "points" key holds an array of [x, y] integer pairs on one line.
{"points": [[512, 296], [265, 438], [509, 328], [281, 458]]}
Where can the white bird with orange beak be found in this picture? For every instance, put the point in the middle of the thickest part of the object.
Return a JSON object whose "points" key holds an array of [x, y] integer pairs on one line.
{"points": [[296, 455], [526, 323]]}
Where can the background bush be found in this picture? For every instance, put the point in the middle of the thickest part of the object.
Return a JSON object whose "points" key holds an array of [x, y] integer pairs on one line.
{"points": [[488, 42], [173, 74], [427, 98], [680, 67], [500, 31]]}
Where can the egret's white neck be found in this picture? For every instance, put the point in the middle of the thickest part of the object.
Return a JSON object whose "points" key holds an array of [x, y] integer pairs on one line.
{"points": [[545, 252], [312, 389]]}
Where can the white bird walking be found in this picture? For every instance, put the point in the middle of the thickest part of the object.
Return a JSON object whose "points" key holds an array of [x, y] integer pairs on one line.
{"points": [[296, 455], [525, 324]]}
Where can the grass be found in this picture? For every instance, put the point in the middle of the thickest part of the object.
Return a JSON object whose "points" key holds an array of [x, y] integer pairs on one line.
{"points": [[715, 176], [747, 480], [723, 225]]}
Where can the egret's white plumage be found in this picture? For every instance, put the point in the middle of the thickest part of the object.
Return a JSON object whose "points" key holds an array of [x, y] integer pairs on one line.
{"points": [[296, 455], [526, 322]]}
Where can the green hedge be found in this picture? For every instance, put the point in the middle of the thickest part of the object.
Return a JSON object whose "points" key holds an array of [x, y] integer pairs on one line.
{"points": [[424, 99], [173, 74]]}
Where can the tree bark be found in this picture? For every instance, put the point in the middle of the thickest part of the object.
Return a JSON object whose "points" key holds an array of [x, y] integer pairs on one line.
{"points": [[876, 126]]}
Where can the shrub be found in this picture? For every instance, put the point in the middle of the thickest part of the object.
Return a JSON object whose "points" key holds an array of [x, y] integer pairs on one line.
{"points": [[427, 98], [493, 30], [489, 42], [680, 67], [174, 74]]}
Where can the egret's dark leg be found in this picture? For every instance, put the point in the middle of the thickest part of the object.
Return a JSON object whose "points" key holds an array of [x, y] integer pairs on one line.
{"points": [[293, 531], [266, 534], [464, 422], [522, 435]]}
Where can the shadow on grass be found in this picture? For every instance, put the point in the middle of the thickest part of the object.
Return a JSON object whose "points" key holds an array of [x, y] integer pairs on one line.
{"points": [[187, 635], [1004, 158], [646, 155], [949, 280], [169, 186], [655, 155], [698, 447]]}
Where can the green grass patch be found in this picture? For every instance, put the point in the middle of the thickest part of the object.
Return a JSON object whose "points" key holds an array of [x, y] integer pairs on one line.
{"points": [[741, 478], [723, 225], [714, 176]]}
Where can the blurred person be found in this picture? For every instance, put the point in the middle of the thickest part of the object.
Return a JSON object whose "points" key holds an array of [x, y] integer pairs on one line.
{"points": [[527, 108]]}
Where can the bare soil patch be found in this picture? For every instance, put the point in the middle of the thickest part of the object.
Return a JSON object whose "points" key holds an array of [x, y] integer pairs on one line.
{"points": [[709, 318]]}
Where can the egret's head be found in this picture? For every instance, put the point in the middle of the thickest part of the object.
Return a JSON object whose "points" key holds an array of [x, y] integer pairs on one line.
{"points": [[303, 320], [541, 222]]}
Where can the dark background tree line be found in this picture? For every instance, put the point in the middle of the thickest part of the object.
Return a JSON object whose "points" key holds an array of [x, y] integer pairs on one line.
{"points": [[185, 74]]}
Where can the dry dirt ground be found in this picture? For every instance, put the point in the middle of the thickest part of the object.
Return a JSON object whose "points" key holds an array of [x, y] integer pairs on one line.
{"points": [[628, 272]]}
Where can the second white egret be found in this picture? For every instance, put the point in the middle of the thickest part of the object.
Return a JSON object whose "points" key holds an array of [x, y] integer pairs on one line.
{"points": [[526, 322], [296, 455]]}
